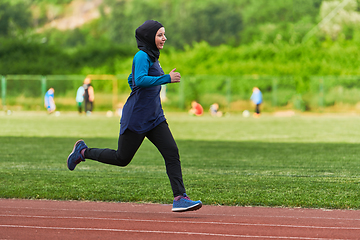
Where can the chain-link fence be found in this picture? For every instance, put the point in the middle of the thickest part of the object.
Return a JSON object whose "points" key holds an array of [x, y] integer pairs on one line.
{"points": [[232, 93]]}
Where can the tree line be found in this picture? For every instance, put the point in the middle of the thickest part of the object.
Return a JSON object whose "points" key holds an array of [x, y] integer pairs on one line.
{"points": [[232, 22], [205, 37]]}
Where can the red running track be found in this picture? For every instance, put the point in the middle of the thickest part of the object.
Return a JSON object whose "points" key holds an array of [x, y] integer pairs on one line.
{"points": [[44, 219]]}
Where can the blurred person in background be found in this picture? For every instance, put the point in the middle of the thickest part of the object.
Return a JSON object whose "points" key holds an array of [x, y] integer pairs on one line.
{"points": [[80, 98], [196, 109], [256, 98], [49, 101], [143, 116], [214, 110], [88, 96]]}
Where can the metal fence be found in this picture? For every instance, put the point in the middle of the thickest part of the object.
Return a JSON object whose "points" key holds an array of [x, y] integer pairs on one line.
{"points": [[44, 80], [304, 94]]}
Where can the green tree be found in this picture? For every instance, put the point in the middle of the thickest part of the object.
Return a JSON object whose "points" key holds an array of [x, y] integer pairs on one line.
{"points": [[185, 21], [282, 16], [14, 19], [213, 21]]}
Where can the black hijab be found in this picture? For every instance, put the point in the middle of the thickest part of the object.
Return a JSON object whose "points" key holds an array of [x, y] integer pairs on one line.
{"points": [[145, 38]]}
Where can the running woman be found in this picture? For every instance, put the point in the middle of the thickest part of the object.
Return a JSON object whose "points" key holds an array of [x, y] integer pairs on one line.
{"points": [[143, 116]]}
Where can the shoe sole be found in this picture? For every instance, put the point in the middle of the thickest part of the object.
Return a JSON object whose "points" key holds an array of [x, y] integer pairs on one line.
{"points": [[192, 208], [72, 153]]}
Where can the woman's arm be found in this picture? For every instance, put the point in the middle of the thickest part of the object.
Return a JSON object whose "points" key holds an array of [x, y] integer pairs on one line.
{"points": [[142, 64]]}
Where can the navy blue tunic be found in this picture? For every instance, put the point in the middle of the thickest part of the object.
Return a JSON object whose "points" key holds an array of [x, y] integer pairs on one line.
{"points": [[142, 110]]}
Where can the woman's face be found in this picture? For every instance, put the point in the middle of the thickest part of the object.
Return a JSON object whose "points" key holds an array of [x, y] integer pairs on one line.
{"points": [[160, 38]]}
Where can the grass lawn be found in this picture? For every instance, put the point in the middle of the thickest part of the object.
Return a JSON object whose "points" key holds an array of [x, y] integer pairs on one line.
{"points": [[300, 161]]}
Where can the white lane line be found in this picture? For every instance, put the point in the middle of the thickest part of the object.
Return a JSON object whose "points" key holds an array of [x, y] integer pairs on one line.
{"points": [[160, 232], [193, 213], [184, 221]]}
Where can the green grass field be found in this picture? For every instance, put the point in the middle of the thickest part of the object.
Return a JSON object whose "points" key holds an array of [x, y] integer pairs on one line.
{"points": [[306, 161]]}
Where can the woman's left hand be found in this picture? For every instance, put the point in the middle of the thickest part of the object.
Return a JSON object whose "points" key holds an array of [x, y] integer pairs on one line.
{"points": [[175, 76]]}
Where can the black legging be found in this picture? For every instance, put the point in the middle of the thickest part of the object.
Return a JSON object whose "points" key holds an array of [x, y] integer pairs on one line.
{"points": [[129, 143]]}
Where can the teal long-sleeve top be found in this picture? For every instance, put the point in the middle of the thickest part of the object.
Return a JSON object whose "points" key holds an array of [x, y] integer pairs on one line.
{"points": [[142, 63], [142, 110]]}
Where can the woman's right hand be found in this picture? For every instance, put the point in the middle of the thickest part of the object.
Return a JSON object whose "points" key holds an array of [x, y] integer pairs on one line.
{"points": [[175, 76]]}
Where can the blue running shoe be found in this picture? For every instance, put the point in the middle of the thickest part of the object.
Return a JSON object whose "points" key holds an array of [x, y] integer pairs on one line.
{"points": [[75, 156], [185, 204]]}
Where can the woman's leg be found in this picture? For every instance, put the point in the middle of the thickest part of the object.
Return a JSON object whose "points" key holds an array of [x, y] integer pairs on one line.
{"points": [[162, 138], [79, 107], [86, 105], [128, 144], [257, 109]]}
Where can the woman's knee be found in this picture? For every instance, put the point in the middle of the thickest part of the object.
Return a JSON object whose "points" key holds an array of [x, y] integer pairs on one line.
{"points": [[172, 154], [123, 161]]}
